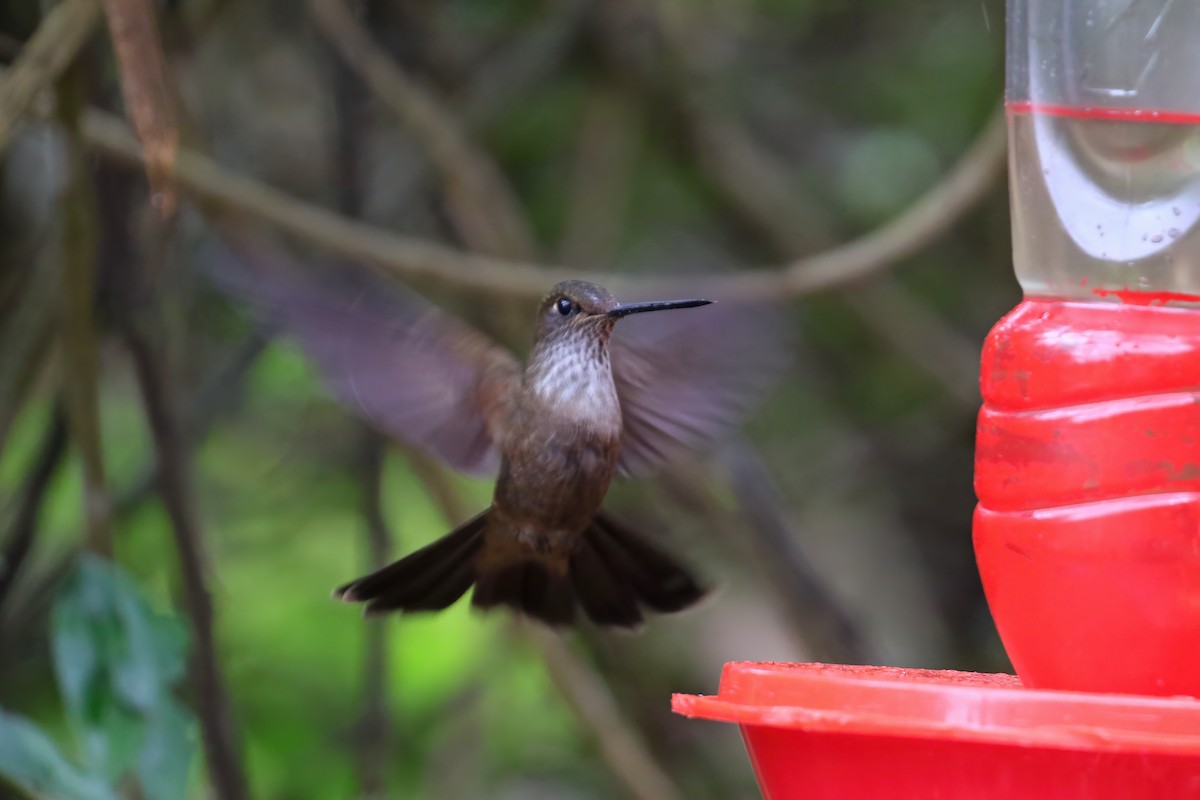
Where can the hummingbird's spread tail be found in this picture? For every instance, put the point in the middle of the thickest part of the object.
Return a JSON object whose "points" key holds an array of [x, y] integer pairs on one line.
{"points": [[616, 570], [612, 574], [430, 579]]}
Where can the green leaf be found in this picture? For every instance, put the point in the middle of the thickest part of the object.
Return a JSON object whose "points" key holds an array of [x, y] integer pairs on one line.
{"points": [[91, 644], [76, 657], [117, 662], [32, 762], [136, 675], [166, 759]]}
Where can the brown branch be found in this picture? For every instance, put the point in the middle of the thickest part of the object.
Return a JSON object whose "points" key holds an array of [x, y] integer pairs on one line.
{"points": [[374, 728], [26, 332], [409, 259], [901, 320], [214, 398], [143, 70], [25, 522], [213, 704], [471, 182], [51, 49], [595, 708], [373, 733], [754, 183], [600, 178], [527, 62], [502, 77], [750, 178], [814, 609], [78, 331]]}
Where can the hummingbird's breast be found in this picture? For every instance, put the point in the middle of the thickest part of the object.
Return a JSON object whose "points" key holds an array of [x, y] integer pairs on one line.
{"points": [[559, 453]]}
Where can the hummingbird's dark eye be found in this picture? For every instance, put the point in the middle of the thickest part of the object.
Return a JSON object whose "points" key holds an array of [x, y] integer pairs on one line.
{"points": [[564, 306]]}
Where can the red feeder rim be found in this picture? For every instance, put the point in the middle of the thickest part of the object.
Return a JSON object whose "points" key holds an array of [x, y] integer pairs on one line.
{"points": [[944, 705]]}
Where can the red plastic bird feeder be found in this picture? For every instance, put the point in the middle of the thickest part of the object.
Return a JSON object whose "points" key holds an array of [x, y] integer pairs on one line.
{"points": [[1087, 533]]}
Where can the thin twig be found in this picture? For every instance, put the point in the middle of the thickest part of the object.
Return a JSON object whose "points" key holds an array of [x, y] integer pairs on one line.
{"points": [[27, 333], [374, 727], [600, 178], [143, 70], [816, 610], [416, 260], [749, 177], [501, 78], [757, 186], [900, 319], [25, 522], [213, 704], [470, 181], [79, 334], [51, 49], [594, 706], [527, 62], [216, 396]]}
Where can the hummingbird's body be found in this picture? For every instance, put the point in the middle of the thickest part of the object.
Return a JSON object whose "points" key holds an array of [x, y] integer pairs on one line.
{"points": [[586, 407], [543, 546]]}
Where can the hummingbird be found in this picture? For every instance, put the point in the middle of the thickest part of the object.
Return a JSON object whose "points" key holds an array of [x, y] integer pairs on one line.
{"points": [[555, 431]]}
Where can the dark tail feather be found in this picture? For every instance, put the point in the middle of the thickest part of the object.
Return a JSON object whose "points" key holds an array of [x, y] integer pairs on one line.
{"points": [[612, 572], [605, 599], [430, 579], [615, 568], [531, 587]]}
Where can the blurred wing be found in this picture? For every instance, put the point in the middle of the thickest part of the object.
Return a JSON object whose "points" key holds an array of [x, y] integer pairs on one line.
{"points": [[686, 378], [413, 372]]}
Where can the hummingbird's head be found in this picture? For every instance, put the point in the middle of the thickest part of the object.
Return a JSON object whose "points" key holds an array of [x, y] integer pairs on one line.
{"points": [[569, 368], [580, 308]]}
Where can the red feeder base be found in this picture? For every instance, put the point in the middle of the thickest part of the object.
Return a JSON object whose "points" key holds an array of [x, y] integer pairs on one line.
{"points": [[818, 732]]}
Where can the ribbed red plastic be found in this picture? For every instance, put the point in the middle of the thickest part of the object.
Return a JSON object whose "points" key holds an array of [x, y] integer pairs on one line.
{"points": [[1087, 469]]}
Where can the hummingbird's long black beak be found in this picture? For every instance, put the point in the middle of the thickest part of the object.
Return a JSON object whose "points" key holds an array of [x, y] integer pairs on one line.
{"points": [[626, 309]]}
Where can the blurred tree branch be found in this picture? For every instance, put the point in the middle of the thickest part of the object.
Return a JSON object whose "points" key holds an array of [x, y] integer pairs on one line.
{"points": [[606, 152], [212, 700], [478, 198], [373, 733], [409, 259], [77, 326], [505, 75], [826, 623], [755, 184], [900, 319], [51, 49], [374, 728], [27, 333], [19, 540], [216, 396], [752, 180], [533, 57], [143, 70], [594, 707]]}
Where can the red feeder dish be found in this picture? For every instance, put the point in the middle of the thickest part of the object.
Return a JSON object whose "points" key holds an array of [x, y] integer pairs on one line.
{"points": [[828, 732]]}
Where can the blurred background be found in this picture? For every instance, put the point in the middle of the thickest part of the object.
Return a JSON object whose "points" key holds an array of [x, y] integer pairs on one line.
{"points": [[179, 493]]}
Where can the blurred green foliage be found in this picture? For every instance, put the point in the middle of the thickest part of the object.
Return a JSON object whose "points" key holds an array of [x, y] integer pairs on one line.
{"points": [[117, 664]]}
